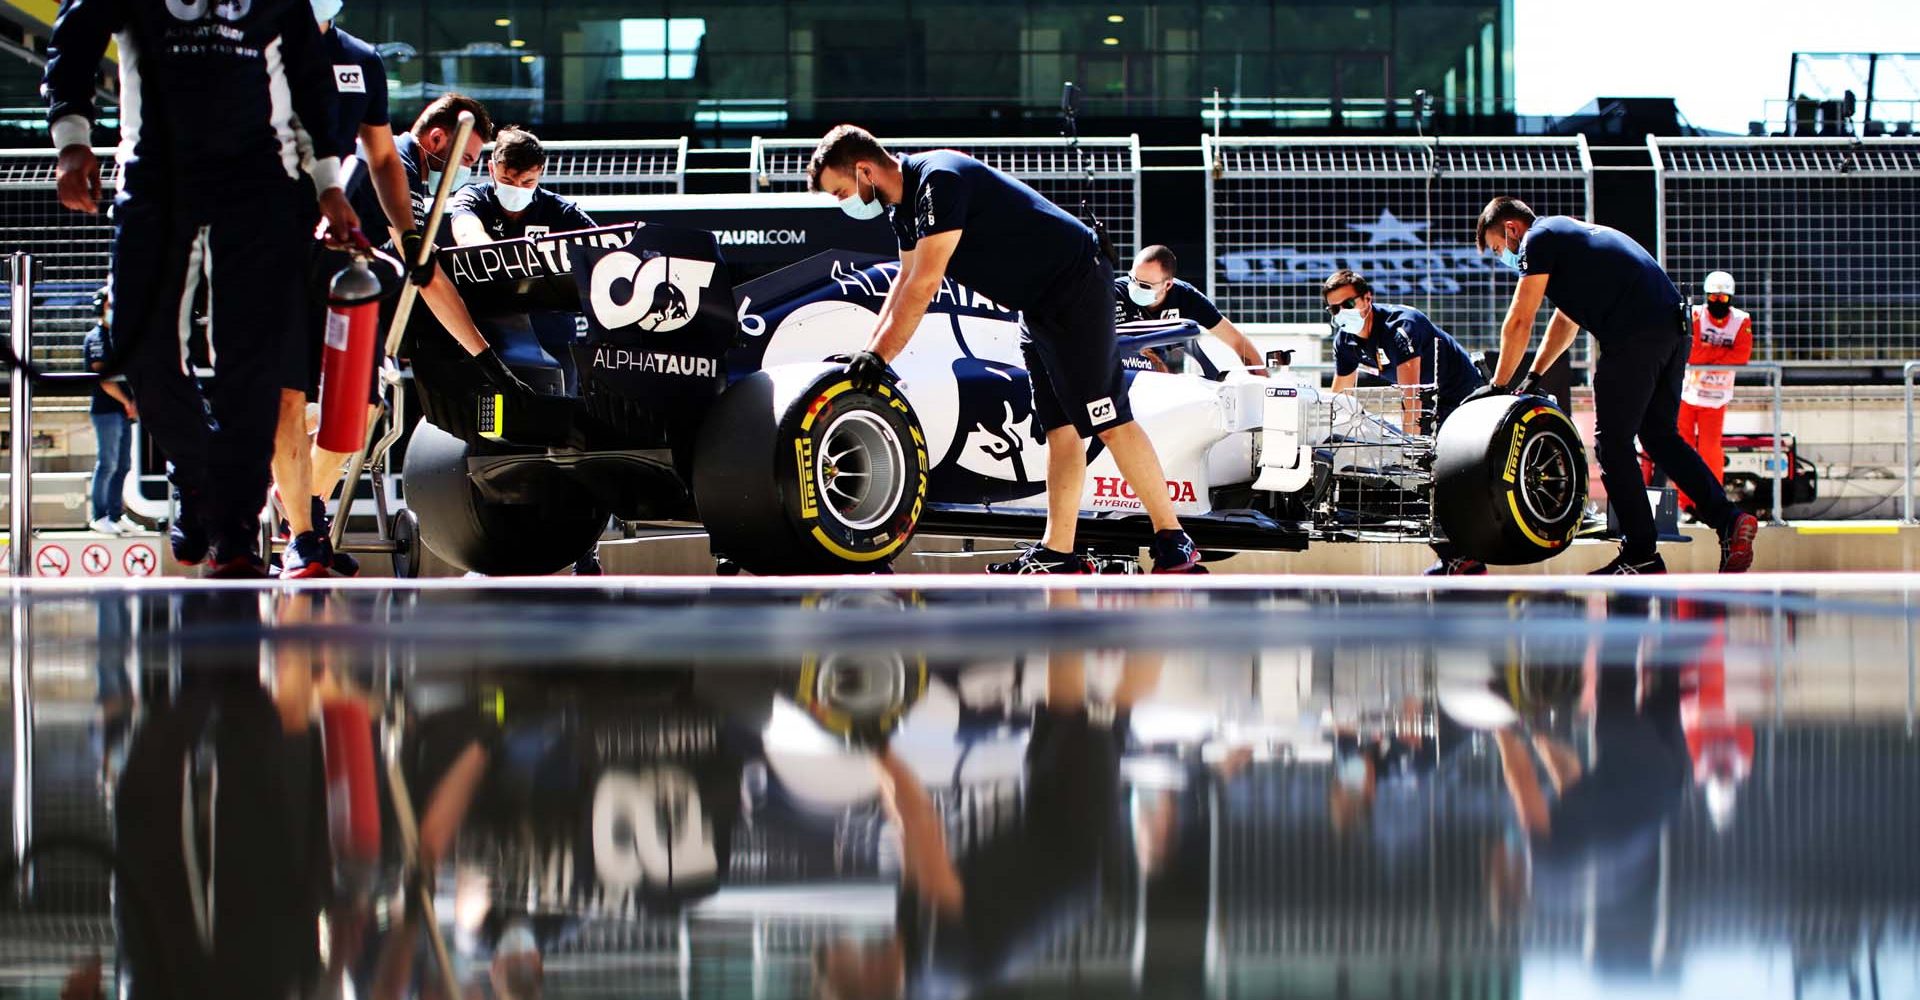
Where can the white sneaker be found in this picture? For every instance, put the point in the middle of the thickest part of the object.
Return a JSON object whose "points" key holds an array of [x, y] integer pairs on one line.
{"points": [[104, 526], [128, 526]]}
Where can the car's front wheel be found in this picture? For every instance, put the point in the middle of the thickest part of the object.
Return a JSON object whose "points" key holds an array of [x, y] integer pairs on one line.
{"points": [[1510, 480]]}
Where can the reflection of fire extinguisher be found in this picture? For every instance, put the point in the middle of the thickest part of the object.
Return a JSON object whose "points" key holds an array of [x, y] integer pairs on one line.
{"points": [[346, 364]]}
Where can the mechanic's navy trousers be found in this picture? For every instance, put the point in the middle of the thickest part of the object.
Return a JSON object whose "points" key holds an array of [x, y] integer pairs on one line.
{"points": [[1636, 391], [240, 263]]}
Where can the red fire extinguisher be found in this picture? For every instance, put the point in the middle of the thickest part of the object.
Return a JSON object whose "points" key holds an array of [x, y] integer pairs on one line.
{"points": [[346, 363]]}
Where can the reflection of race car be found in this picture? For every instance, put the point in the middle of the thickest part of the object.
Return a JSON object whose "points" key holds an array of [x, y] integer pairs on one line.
{"points": [[699, 405]]}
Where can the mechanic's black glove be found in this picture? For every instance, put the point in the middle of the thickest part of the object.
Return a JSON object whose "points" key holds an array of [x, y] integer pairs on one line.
{"points": [[1529, 386], [1490, 389], [500, 376], [867, 370], [410, 244]]}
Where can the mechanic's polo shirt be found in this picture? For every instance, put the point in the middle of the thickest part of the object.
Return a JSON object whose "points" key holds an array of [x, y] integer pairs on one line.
{"points": [[1601, 279], [360, 86], [1182, 301], [1401, 333], [1016, 247], [366, 202], [548, 213]]}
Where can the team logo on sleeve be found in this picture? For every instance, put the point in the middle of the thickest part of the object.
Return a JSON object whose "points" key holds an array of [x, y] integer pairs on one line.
{"points": [[924, 217], [659, 294]]}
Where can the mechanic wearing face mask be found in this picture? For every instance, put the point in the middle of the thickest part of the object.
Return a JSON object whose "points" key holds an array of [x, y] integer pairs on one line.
{"points": [[957, 217], [1600, 279], [1363, 332], [1722, 335], [512, 203], [1151, 292], [360, 89]]}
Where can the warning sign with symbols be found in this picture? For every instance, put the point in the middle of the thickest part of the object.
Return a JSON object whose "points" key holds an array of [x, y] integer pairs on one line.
{"points": [[59, 554], [140, 560], [51, 560], [95, 559]]}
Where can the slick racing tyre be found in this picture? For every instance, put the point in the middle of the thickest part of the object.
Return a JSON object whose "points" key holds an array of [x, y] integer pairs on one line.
{"points": [[497, 539], [798, 471], [1510, 480]]}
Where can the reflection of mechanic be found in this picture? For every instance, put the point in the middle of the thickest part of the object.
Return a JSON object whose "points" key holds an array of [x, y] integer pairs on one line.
{"points": [[1414, 347], [210, 167], [1592, 836], [1721, 745], [360, 85], [1722, 335], [464, 362], [1150, 291], [968, 926], [954, 215], [1602, 280], [513, 205]]}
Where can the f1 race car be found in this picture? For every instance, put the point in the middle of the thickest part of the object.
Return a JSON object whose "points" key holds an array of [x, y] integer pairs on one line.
{"points": [[703, 405]]}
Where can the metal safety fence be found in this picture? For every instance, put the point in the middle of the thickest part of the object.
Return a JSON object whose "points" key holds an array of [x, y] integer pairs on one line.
{"points": [[1818, 234], [71, 250], [1104, 172], [1284, 213], [580, 169]]}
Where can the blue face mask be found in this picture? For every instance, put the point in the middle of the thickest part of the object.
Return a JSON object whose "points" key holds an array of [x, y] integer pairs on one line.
{"points": [[860, 208], [1510, 259], [461, 173]]}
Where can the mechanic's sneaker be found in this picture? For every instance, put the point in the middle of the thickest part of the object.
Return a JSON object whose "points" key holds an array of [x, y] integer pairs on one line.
{"points": [[342, 563], [1736, 543], [104, 526], [588, 565], [1173, 552], [128, 526], [188, 541], [307, 556], [1040, 559], [1457, 567], [1623, 566], [245, 566]]}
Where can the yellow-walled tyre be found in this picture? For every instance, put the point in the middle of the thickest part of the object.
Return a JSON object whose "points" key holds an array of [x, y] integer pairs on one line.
{"points": [[798, 471], [1510, 480]]}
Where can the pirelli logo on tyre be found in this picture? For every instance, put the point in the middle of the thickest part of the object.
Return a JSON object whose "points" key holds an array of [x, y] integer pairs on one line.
{"points": [[803, 465], [1511, 470]]}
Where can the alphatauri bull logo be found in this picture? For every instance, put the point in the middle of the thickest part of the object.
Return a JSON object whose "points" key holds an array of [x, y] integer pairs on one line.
{"points": [[658, 294]]}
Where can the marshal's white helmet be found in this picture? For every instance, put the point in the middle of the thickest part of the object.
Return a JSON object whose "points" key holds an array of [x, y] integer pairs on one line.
{"points": [[1718, 283]]}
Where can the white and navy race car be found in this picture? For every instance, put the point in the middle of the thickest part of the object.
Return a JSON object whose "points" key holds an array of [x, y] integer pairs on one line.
{"points": [[703, 404]]}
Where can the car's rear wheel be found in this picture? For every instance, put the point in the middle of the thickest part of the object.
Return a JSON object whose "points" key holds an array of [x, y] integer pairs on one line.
{"points": [[1510, 480], [798, 471]]}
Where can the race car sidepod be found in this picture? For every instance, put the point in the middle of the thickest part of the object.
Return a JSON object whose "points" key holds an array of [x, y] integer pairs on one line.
{"points": [[799, 471], [1510, 480]]}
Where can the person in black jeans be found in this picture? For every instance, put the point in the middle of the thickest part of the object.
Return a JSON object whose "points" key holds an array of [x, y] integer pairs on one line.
{"points": [[113, 415], [1600, 279]]}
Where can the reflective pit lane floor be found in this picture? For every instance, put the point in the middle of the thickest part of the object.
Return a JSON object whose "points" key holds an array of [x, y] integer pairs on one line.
{"points": [[938, 787]]}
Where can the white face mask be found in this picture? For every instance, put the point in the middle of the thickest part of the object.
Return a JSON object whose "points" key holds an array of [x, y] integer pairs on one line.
{"points": [[860, 208], [326, 10], [514, 199], [1141, 296], [1349, 321]]}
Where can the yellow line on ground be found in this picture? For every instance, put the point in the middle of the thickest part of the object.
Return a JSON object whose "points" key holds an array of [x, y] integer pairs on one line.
{"points": [[1846, 529]]}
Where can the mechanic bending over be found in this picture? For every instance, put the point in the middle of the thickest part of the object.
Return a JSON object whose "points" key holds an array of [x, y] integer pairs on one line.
{"points": [[513, 205], [1150, 291], [424, 152], [1414, 346], [1602, 280], [954, 215], [210, 171], [299, 466]]}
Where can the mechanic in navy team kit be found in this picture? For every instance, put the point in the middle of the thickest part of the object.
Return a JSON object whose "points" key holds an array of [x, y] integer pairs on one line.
{"points": [[513, 205], [299, 467], [1414, 349], [210, 167], [954, 215], [1600, 279], [1150, 291]]}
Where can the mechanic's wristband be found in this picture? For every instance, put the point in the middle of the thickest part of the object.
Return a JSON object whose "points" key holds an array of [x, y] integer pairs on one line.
{"points": [[326, 174], [71, 130]]}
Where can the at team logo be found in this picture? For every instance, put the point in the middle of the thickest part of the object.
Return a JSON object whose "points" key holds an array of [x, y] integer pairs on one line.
{"points": [[349, 79], [658, 295], [196, 10], [1100, 410]]}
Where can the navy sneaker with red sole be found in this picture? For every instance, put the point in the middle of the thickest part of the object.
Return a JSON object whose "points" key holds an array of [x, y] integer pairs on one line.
{"points": [[1039, 559], [1174, 552], [1736, 543]]}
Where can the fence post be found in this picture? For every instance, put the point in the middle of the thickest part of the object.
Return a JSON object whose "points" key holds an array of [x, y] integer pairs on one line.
{"points": [[20, 483], [1906, 437], [1781, 476], [20, 553]]}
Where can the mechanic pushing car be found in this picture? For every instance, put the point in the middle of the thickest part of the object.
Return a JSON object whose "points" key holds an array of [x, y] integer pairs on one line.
{"points": [[1602, 280], [360, 113], [1151, 291], [1414, 346], [463, 357], [513, 205], [954, 215], [210, 167]]}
